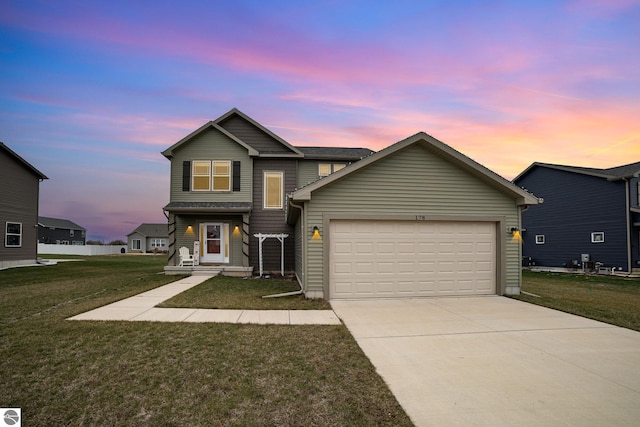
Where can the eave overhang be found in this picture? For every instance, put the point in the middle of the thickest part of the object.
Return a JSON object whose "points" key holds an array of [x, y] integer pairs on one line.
{"points": [[208, 207]]}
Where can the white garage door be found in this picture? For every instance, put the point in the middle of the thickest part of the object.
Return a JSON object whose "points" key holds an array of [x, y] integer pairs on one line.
{"points": [[383, 259]]}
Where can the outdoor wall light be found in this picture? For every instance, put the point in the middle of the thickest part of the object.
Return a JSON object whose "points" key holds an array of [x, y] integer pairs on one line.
{"points": [[189, 231], [316, 233], [515, 231], [236, 230]]}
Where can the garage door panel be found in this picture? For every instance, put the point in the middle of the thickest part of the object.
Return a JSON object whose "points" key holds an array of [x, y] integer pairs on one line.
{"points": [[371, 259]]}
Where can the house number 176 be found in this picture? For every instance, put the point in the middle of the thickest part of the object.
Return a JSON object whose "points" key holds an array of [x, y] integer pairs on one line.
{"points": [[421, 217]]}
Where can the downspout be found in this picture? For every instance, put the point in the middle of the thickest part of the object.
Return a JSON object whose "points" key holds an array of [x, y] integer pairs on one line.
{"points": [[628, 213], [298, 292]]}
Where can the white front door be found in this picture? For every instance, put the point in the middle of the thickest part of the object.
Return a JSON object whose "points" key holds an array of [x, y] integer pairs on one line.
{"points": [[213, 242]]}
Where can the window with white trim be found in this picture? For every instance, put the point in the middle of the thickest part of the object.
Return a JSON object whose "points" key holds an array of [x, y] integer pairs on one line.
{"points": [[211, 175], [326, 169], [273, 190], [71, 233], [13, 234], [135, 244], [539, 239], [597, 237], [158, 243]]}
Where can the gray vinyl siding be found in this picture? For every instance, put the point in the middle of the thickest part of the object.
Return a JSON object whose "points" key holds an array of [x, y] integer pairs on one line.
{"points": [[185, 239], [252, 135], [143, 242], [410, 182], [271, 220], [19, 189], [307, 172], [211, 145]]}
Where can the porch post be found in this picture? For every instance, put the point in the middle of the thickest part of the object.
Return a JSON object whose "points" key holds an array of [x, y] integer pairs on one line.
{"points": [[172, 239], [245, 240]]}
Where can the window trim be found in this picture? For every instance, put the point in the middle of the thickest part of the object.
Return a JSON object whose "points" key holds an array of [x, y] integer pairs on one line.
{"points": [[265, 176], [540, 239], [211, 175], [133, 245], [8, 234], [325, 165], [594, 237], [158, 243]]}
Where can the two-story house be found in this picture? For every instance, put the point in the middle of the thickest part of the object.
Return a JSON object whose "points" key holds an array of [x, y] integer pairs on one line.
{"points": [[229, 181], [19, 192], [589, 216], [60, 231], [415, 219]]}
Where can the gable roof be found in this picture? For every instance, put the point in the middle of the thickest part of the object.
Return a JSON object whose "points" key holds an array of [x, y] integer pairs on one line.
{"points": [[151, 230], [611, 174], [439, 149], [19, 159], [217, 124], [64, 224], [335, 153]]}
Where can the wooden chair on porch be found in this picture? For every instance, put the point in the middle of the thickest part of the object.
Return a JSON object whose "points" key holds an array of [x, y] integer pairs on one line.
{"points": [[185, 257]]}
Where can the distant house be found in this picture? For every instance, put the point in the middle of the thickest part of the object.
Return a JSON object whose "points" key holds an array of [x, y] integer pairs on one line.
{"points": [[60, 232], [413, 220], [148, 237], [19, 192], [590, 217]]}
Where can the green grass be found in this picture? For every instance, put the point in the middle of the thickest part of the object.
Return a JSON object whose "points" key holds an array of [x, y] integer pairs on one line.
{"points": [[236, 293], [63, 372], [614, 300]]}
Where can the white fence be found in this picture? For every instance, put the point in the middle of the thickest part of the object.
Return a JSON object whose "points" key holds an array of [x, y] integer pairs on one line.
{"points": [[86, 250]]}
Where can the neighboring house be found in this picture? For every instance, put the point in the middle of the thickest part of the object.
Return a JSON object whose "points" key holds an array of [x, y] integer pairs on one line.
{"points": [[19, 192], [149, 238], [588, 216], [415, 219], [60, 232], [229, 181]]}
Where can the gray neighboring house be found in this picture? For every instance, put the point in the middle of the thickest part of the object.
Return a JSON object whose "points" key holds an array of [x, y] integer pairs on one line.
{"points": [[148, 237], [58, 231], [19, 193]]}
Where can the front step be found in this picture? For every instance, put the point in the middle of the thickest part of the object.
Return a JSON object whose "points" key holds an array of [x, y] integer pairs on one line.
{"points": [[209, 270]]}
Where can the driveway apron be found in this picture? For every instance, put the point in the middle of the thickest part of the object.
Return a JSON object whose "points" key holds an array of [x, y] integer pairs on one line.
{"points": [[495, 361]]}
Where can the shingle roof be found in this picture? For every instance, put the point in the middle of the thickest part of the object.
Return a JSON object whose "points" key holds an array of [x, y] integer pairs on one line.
{"points": [[612, 174], [64, 224], [152, 230], [337, 153], [236, 207]]}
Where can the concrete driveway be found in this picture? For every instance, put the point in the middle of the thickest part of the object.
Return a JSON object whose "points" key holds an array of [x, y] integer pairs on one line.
{"points": [[495, 361]]}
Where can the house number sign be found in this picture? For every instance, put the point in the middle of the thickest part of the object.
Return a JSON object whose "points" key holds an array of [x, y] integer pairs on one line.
{"points": [[421, 217]]}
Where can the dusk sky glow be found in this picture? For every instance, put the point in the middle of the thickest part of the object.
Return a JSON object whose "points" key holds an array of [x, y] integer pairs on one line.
{"points": [[92, 91]]}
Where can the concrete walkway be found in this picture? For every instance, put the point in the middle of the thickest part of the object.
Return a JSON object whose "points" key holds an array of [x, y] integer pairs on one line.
{"points": [[142, 307], [495, 361]]}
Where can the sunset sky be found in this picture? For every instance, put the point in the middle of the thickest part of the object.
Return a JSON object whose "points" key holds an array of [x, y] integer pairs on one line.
{"points": [[92, 91]]}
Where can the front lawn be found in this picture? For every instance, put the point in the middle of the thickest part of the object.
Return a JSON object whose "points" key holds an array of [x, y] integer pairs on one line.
{"points": [[63, 372], [610, 299], [237, 293]]}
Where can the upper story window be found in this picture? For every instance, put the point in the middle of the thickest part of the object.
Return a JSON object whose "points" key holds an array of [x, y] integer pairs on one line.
{"points": [[71, 233], [539, 239], [325, 169], [597, 237], [211, 175], [273, 190], [13, 235]]}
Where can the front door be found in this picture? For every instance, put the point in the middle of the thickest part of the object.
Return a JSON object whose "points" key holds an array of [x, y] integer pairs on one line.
{"points": [[212, 238]]}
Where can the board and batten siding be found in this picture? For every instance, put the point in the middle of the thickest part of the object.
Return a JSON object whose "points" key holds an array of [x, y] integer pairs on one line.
{"points": [[411, 182], [575, 205], [19, 189], [211, 145], [269, 221]]}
